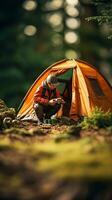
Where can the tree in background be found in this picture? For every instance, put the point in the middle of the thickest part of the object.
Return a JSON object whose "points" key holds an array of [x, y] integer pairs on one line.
{"points": [[10, 76], [18, 43], [37, 33], [104, 17], [32, 37]]}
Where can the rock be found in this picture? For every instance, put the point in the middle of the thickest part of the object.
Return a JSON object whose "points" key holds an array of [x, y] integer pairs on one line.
{"points": [[7, 121], [5, 112]]}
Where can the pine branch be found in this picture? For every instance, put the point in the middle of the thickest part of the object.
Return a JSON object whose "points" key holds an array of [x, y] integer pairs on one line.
{"points": [[104, 9], [101, 19]]}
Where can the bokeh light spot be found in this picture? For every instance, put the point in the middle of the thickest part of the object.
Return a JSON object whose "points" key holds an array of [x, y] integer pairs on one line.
{"points": [[71, 54], [57, 40], [55, 19], [72, 2], [30, 30], [72, 23], [30, 5], [71, 11], [54, 4], [71, 37]]}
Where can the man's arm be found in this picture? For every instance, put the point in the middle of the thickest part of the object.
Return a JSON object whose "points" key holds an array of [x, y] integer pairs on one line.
{"points": [[38, 97]]}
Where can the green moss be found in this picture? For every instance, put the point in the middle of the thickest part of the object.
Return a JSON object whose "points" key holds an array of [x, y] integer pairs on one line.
{"points": [[33, 167], [14, 182], [97, 119], [83, 158], [71, 158], [5, 144], [18, 131], [5, 112], [86, 158]]}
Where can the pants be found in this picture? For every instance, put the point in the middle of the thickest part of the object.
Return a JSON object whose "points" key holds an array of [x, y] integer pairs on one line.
{"points": [[43, 111]]}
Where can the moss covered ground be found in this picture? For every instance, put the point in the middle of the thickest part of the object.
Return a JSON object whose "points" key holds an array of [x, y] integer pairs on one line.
{"points": [[55, 162]]}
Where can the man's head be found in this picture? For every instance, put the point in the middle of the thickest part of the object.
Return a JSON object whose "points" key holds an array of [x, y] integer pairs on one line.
{"points": [[52, 81]]}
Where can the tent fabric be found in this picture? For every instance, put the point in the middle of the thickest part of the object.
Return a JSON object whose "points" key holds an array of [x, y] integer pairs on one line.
{"points": [[88, 89]]}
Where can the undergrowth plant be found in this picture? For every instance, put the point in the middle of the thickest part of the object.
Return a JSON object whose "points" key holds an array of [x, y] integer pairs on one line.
{"points": [[97, 119]]}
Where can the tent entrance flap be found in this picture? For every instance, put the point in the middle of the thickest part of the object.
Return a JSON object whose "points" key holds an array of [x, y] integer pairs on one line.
{"points": [[65, 88]]}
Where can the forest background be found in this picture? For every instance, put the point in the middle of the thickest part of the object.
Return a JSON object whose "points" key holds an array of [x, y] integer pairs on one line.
{"points": [[36, 33]]}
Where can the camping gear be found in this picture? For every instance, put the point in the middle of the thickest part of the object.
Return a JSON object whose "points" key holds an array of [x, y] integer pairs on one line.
{"points": [[81, 85]]}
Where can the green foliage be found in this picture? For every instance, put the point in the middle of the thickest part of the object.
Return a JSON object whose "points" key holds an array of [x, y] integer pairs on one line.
{"points": [[5, 112], [104, 14], [97, 119]]}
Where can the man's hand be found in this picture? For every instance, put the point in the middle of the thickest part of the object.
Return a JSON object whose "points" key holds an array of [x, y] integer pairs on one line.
{"points": [[52, 102], [59, 100]]}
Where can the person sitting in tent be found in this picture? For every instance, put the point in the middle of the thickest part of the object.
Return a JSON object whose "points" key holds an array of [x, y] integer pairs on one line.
{"points": [[47, 99]]}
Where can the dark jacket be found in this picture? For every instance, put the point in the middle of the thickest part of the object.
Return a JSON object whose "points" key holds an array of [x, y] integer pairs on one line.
{"points": [[44, 94]]}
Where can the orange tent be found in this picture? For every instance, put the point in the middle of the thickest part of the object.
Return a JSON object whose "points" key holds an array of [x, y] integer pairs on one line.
{"points": [[81, 85]]}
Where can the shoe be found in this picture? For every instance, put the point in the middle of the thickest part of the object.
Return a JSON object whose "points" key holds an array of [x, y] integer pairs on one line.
{"points": [[40, 122], [54, 116], [47, 121]]}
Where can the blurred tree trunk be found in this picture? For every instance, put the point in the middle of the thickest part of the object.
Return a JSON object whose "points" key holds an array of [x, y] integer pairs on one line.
{"points": [[24, 57]]}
